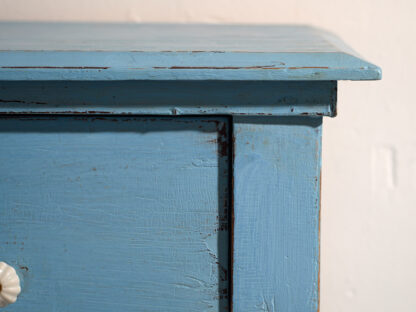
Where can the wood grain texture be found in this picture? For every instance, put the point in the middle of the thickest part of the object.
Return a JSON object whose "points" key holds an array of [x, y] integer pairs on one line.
{"points": [[276, 214], [280, 98], [165, 37], [36, 51], [115, 214]]}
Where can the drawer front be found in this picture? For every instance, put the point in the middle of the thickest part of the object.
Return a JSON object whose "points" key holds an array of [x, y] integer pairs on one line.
{"points": [[116, 213]]}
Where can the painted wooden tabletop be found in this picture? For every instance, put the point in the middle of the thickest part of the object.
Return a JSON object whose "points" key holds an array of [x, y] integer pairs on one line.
{"points": [[45, 51]]}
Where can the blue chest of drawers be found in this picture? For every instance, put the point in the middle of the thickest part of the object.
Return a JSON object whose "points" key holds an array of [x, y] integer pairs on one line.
{"points": [[164, 167]]}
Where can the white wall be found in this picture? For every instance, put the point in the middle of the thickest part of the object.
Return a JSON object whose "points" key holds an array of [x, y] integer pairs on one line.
{"points": [[369, 158]]}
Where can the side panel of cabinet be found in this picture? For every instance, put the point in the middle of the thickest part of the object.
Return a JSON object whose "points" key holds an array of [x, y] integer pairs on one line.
{"points": [[276, 214], [115, 214]]}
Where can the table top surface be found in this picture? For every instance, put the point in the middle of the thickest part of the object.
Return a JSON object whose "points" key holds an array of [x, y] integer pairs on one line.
{"points": [[69, 51]]}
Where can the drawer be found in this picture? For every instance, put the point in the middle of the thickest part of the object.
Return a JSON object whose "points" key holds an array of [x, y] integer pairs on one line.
{"points": [[116, 213]]}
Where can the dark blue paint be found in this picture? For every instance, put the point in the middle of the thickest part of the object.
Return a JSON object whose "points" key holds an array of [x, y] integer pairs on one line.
{"points": [[171, 97]]}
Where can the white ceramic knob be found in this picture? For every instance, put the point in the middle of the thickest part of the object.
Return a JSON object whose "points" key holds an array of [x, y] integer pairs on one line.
{"points": [[9, 285]]}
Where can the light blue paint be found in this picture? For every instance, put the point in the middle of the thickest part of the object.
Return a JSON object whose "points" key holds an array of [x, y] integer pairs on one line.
{"points": [[169, 52], [115, 214], [276, 214], [281, 98]]}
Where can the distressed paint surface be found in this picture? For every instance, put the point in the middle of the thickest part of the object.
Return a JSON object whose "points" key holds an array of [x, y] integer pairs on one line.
{"points": [[276, 214], [104, 213], [171, 97], [115, 214], [33, 51]]}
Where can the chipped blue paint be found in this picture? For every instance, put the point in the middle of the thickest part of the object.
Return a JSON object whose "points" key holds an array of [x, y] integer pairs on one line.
{"points": [[115, 213], [183, 66], [280, 98]]}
